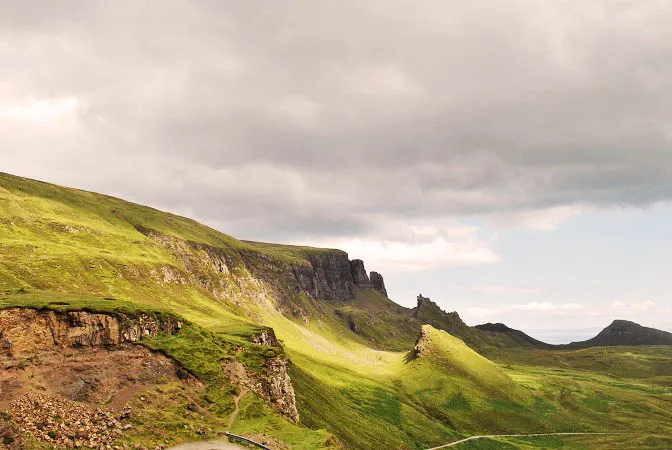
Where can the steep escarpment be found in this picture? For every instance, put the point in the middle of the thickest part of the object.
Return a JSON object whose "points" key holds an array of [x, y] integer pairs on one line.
{"points": [[326, 277], [483, 338], [322, 274], [272, 383], [428, 312], [363, 281], [378, 283]]}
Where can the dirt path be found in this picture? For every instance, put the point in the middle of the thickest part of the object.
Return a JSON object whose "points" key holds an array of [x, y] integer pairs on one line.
{"points": [[234, 414], [494, 436], [217, 445]]}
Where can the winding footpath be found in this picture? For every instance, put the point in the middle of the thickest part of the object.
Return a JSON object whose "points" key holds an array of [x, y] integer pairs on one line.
{"points": [[236, 402], [221, 444], [495, 436]]}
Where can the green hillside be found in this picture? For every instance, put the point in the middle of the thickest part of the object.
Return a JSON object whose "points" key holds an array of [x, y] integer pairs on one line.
{"points": [[365, 371]]}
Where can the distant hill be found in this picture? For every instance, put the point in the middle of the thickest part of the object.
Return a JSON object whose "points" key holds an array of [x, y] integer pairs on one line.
{"points": [[619, 332], [624, 332], [516, 335]]}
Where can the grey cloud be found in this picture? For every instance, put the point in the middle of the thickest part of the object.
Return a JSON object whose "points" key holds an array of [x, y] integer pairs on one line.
{"points": [[284, 119]]}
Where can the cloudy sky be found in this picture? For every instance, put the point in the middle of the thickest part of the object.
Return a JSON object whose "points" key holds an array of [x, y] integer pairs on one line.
{"points": [[511, 159]]}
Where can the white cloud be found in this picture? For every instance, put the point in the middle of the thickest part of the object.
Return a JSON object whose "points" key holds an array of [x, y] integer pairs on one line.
{"points": [[411, 248], [630, 307], [545, 307], [571, 314], [502, 289], [544, 219], [534, 307], [41, 111]]}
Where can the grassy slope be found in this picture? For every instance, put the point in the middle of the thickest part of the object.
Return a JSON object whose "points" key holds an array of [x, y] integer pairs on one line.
{"points": [[63, 248], [67, 249]]}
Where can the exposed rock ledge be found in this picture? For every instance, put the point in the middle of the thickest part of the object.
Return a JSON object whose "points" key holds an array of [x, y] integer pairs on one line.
{"points": [[421, 347], [82, 367], [23, 330], [274, 384]]}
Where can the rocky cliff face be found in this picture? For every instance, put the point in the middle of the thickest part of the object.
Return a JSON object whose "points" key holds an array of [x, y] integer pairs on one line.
{"points": [[359, 276], [23, 330], [378, 283], [335, 277], [364, 281], [266, 338], [240, 275], [328, 277], [421, 347], [273, 384], [83, 368], [277, 385], [428, 312], [248, 275]]}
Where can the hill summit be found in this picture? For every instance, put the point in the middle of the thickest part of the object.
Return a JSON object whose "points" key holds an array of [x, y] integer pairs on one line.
{"points": [[624, 332]]}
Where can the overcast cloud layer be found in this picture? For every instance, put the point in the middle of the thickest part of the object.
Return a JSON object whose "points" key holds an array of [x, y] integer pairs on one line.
{"points": [[412, 131]]}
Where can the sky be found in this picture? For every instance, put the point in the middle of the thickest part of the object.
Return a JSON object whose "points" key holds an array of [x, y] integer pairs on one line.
{"points": [[510, 159]]}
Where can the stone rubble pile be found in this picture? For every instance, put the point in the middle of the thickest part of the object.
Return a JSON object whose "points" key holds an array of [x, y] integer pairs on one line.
{"points": [[62, 422]]}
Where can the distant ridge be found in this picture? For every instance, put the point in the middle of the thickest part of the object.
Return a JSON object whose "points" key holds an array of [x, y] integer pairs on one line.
{"points": [[624, 332], [517, 334], [619, 332]]}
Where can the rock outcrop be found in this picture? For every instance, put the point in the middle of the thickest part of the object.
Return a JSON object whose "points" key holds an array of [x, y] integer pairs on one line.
{"points": [[267, 338], [273, 384], [328, 277], [24, 329], [277, 387], [67, 376], [421, 347], [359, 276], [332, 276], [378, 283], [428, 312], [247, 275]]}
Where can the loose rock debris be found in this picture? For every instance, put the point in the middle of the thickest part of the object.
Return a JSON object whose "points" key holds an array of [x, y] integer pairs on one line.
{"points": [[65, 423]]}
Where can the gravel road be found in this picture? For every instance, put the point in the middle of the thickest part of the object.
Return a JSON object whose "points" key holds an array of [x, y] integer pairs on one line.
{"points": [[214, 445]]}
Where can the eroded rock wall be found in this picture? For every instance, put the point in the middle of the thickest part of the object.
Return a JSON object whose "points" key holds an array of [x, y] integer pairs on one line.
{"points": [[82, 367], [328, 277], [24, 331], [378, 283], [273, 384], [359, 276], [248, 275]]}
